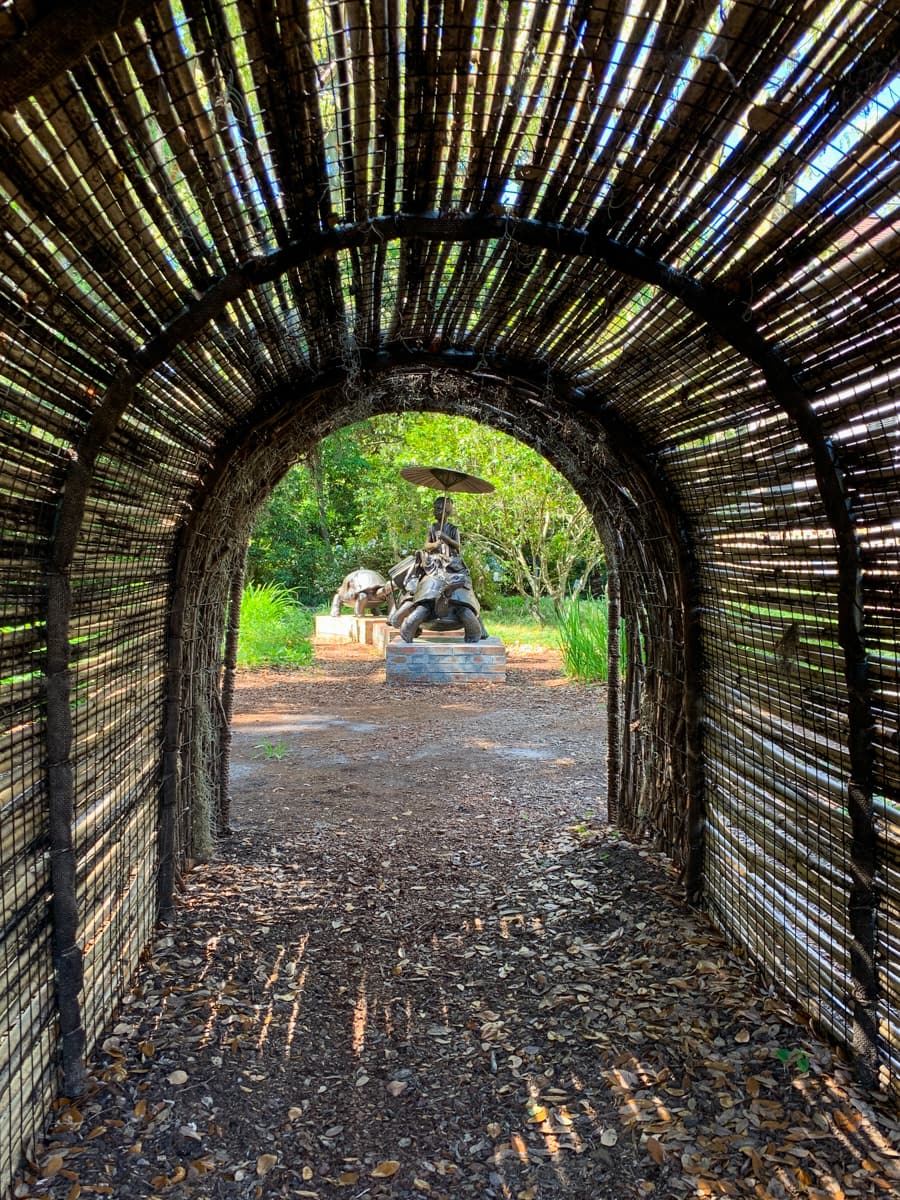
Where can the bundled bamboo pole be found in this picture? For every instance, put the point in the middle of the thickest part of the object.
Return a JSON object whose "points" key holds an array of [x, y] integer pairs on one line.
{"points": [[613, 695], [229, 667]]}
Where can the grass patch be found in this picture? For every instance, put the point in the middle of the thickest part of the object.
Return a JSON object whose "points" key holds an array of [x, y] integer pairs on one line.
{"points": [[275, 629], [582, 633], [270, 749], [511, 620]]}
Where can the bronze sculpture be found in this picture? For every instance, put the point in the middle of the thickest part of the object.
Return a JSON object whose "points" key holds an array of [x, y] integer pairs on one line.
{"points": [[433, 588], [364, 590]]}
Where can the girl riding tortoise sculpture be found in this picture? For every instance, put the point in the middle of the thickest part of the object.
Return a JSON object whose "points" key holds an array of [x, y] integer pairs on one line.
{"points": [[431, 589], [434, 585]]}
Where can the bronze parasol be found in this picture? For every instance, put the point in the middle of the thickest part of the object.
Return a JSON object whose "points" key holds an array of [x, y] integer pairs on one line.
{"points": [[446, 479]]}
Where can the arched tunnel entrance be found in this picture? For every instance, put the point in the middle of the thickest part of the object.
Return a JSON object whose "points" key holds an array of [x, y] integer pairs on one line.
{"points": [[704, 597], [656, 243], [637, 517], [664, 737]]}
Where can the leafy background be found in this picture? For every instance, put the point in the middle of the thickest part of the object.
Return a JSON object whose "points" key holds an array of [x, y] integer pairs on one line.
{"points": [[346, 506]]}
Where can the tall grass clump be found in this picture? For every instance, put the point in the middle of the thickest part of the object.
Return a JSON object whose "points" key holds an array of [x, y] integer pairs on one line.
{"points": [[582, 630], [275, 629]]}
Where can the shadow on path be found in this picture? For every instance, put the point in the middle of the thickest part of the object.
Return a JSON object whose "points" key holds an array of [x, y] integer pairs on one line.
{"points": [[419, 968]]}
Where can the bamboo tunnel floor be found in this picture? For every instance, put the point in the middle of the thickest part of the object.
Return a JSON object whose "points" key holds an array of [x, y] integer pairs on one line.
{"points": [[423, 965]]}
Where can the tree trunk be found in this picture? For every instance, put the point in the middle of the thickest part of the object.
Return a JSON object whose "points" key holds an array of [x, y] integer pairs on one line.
{"points": [[313, 462]]}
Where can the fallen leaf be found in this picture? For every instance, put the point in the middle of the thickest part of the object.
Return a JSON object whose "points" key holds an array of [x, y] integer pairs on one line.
{"points": [[70, 1118], [656, 1150], [265, 1163], [52, 1166], [386, 1169], [346, 1178], [608, 1137]]}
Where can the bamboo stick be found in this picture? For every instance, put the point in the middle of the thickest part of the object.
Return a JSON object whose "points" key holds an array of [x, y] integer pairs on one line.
{"points": [[613, 697], [228, 679]]}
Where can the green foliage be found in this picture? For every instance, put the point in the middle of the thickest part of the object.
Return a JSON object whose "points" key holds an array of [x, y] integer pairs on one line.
{"points": [[583, 639], [305, 538], [275, 630], [795, 1058], [346, 506], [513, 621]]}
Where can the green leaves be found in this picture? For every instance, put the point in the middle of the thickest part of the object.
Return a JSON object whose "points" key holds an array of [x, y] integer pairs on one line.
{"points": [[795, 1058], [275, 630], [348, 507]]}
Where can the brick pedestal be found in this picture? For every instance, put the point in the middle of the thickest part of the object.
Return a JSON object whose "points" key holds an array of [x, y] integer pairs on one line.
{"points": [[446, 659]]}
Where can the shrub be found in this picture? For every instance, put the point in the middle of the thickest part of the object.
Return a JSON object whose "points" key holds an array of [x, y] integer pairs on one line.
{"points": [[275, 629]]}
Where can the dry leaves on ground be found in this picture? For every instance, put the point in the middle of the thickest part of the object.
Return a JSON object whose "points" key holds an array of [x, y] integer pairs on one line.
{"points": [[511, 1002]]}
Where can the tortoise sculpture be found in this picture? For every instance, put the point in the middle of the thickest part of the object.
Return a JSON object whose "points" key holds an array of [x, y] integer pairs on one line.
{"points": [[363, 589]]}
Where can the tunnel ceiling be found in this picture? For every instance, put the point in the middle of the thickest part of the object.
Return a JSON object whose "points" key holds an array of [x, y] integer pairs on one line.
{"points": [[641, 199]]}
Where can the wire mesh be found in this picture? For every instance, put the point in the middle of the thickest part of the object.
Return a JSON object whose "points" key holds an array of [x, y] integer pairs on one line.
{"points": [[668, 231]]}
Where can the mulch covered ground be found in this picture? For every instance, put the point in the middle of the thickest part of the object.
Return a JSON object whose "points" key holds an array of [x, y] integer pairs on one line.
{"points": [[423, 966]]}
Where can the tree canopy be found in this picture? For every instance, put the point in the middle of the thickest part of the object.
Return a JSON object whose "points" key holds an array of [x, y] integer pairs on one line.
{"points": [[346, 506]]}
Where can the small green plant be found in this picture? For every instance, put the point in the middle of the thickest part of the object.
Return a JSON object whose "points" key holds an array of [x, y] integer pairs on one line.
{"points": [[582, 633], [588, 831], [795, 1058], [272, 749]]}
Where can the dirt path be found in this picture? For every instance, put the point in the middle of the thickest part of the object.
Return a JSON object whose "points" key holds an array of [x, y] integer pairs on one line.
{"points": [[416, 969]]}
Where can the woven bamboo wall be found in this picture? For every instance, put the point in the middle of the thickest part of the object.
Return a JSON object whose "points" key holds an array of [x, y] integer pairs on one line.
{"points": [[658, 242]]}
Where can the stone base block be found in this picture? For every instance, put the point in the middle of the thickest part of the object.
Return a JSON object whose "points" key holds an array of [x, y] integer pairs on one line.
{"points": [[445, 658], [347, 628], [384, 633], [336, 629], [367, 629]]}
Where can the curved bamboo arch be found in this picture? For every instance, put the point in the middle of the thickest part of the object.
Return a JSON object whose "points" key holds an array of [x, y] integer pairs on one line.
{"points": [[717, 308], [266, 446]]}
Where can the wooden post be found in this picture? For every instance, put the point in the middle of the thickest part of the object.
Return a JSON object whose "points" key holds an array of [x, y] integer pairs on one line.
{"points": [[228, 674], [613, 693], [166, 838], [67, 955]]}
